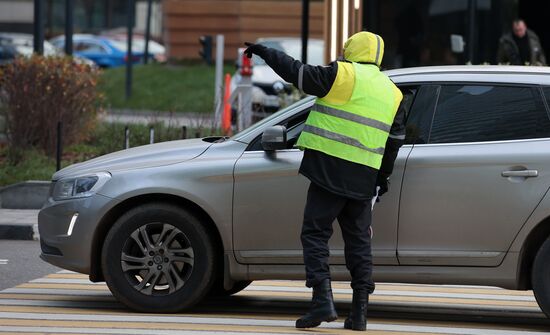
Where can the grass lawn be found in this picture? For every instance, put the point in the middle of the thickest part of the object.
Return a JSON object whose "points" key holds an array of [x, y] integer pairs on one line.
{"points": [[158, 87]]}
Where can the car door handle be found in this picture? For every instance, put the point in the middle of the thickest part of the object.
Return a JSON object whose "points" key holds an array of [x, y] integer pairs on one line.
{"points": [[521, 173]]}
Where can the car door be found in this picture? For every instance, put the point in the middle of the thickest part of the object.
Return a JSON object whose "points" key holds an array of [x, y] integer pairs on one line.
{"points": [[269, 200], [476, 176]]}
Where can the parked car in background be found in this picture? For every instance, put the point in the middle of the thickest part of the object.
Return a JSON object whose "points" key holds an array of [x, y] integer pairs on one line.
{"points": [[104, 52], [469, 204], [7, 52], [268, 87], [23, 45], [157, 51]]}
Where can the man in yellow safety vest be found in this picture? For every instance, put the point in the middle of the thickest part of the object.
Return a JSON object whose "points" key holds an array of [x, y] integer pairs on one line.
{"points": [[350, 141]]}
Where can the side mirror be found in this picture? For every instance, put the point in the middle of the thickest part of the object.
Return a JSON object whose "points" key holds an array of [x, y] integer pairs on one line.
{"points": [[457, 43], [274, 138]]}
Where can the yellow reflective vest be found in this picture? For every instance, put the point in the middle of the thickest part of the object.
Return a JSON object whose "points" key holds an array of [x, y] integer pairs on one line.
{"points": [[353, 120]]}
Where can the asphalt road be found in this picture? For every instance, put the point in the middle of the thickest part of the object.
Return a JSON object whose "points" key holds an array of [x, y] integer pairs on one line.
{"points": [[20, 262], [36, 297]]}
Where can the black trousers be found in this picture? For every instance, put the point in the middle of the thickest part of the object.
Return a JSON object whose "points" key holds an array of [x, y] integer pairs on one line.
{"points": [[354, 217]]}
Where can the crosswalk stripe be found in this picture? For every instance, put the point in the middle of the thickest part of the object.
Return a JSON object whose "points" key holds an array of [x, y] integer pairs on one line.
{"points": [[58, 291], [61, 330], [68, 303], [25, 294], [131, 321], [270, 316], [346, 284], [101, 287], [343, 284], [335, 290], [375, 298], [58, 303], [305, 295]]}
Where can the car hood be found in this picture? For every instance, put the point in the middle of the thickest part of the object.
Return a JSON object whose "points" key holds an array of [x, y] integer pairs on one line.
{"points": [[139, 157]]}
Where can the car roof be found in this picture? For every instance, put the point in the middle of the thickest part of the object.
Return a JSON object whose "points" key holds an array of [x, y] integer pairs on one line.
{"points": [[473, 73], [77, 36], [496, 69], [16, 35]]}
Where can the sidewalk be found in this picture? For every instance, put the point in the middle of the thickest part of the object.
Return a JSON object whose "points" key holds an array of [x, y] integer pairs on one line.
{"points": [[193, 120], [19, 224]]}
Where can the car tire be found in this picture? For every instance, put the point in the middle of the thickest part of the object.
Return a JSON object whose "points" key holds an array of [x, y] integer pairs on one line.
{"points": [[540, 277], [219, 291], [172, 270]]}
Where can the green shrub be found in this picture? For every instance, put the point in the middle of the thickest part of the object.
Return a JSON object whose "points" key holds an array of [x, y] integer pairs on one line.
{"points": [[40, 91], [32, 165]]}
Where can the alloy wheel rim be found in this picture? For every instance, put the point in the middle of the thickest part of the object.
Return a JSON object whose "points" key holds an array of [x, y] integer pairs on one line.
{"points": [[157, 259]]}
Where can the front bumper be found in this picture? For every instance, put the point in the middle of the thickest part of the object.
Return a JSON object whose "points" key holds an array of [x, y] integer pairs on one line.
{"points": [[72, 252]]}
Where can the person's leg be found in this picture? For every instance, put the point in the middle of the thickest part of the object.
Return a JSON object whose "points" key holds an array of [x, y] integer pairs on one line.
{"points": [[322, 207], [355, 221]]}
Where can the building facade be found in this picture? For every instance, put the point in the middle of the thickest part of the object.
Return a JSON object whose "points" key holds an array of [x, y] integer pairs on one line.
{"points": [[416, 32], [185, 21]]}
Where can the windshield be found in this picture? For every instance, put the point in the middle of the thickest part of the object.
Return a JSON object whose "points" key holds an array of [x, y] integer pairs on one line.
{"points": [[268, 119], [120, 45]]}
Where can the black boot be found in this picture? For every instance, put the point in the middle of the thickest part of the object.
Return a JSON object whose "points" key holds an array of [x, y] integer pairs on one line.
{"points": [[322, 308], [357, 319]]}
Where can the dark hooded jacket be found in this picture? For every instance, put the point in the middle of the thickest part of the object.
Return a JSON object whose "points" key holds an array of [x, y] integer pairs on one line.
{"points": [[350, 180], [509, 53]]}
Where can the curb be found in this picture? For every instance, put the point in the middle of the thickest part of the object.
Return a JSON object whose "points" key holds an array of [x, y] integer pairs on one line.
{"points": [[25, 232], [31, 194]]}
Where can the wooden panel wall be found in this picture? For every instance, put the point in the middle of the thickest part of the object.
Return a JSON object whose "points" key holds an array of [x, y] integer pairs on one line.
{"points": [[239, 20]]}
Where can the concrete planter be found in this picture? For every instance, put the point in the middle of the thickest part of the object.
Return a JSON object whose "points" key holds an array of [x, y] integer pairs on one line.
{"points": [[25, 195]]}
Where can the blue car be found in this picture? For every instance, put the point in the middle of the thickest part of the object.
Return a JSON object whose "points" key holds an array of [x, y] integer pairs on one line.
{"points": [[103, 51]]}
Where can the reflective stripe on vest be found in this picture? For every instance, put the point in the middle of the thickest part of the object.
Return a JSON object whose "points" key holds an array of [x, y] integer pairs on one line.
{"points": [[357, 129], [352, 117], [341, 138]]}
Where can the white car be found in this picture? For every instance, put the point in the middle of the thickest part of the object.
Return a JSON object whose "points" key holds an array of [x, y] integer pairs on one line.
{"points": [[267, 85], [24, 46]]}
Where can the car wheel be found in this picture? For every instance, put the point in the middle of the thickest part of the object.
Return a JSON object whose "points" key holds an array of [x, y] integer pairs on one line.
{"points": [[219, 291], [158, 258], [540, 277]]}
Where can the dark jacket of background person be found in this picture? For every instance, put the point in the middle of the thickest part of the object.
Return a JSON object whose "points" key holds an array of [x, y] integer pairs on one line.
{"points": [[509, 52]]}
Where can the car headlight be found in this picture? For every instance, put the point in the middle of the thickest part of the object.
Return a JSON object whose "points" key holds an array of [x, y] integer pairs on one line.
{"points": [[79, 187], [278, 87]]}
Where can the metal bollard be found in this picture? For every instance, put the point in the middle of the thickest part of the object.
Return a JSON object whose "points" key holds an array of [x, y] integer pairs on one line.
{"points": [[126, 137], [184, 132], [59, 145], [151, 135]]}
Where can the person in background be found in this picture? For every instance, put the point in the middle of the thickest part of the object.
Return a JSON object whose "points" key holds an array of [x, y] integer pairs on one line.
{"points": [[520, 47], [350, 141]]}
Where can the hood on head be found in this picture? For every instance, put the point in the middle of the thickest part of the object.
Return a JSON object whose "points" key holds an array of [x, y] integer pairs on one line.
{"points": [[364, 47]]}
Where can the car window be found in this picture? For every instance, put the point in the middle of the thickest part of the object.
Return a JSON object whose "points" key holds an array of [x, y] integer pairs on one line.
{"points": [[546, 91], [89, 47], [479, 113], [420, 114], [294, 126], [6, 52]]}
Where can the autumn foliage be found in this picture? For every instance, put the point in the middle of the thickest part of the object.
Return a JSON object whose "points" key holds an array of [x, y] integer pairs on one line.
{"points": [[37, 92]]}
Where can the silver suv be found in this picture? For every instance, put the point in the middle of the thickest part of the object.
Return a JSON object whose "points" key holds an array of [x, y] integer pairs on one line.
{"points": [[168, 223]]}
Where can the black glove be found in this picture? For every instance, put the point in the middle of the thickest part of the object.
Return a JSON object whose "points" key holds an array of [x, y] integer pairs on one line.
{"points": [[253, 49], [384, 185]]}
